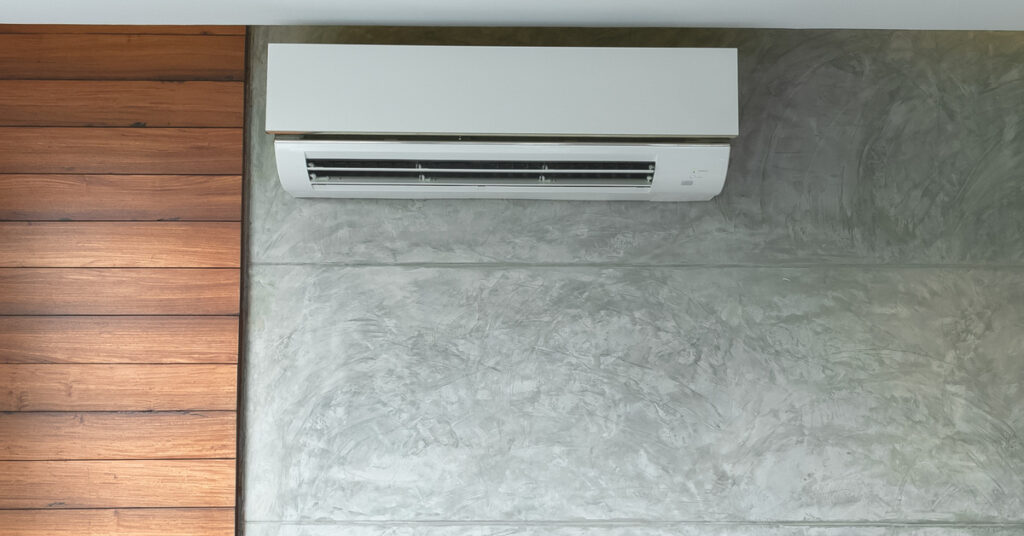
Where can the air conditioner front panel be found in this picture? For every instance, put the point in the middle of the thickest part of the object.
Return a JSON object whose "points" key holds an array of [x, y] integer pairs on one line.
{"points": [[502, 91], [501, 170]]}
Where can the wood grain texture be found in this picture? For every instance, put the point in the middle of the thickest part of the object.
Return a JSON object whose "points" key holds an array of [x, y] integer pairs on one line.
{"points": [[120, 197], [111, 436], [120, 244], [158, 151], [121, 483], [64, 56], [120, 103], [119, 291], [117, 387], [130, 522], [132, 29], [118, 339]]}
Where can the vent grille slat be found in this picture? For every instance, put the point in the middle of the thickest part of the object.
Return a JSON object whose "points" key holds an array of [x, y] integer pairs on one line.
{"points": [[328, 170], [482, 172]]}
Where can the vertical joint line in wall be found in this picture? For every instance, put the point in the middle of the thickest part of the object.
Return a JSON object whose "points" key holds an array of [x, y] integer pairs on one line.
{"points": [[240, 417]]}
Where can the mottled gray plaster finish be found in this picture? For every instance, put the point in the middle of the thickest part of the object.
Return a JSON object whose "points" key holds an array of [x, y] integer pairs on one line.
{"points": [[628, 530], [836, 342], [854, 147], [663, 394]]}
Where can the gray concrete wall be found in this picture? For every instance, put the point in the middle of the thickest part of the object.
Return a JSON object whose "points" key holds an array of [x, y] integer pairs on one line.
{"points": [[834, 346]]}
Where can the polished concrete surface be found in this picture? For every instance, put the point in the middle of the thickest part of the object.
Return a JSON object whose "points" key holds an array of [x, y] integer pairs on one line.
{"points": [[833, 346]]}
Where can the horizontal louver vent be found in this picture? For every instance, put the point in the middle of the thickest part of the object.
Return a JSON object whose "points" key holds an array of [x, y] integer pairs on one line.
{"points": [[327, 171]]}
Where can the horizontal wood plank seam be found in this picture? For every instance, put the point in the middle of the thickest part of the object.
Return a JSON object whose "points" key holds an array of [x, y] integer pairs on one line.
{"points": [[123, 29], [101, 411], [92, 508], [132, 459], [166, 220]]}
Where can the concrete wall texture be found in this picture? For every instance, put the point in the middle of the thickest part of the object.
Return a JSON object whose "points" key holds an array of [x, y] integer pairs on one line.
{"points": [[834, 346]]}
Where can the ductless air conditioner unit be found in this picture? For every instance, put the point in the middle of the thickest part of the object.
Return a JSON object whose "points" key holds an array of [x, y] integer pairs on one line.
{"points": [[422, 122]]}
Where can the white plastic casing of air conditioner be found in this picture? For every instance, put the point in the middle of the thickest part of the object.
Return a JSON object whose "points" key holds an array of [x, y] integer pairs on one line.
{"points": [[399, 121]]}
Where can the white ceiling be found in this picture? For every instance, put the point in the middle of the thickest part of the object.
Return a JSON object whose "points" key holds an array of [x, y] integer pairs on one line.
{"points": [[886, 14]]}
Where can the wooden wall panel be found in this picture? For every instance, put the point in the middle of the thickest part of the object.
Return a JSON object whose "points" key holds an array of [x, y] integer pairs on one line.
{"points": [[133, 522], [117, 387], [82, 103], [120, 254], [61, 56], [105, 484], [112, 436], [120, 197], [189, 151], [118, 244], [118, 339], [118, 291]]}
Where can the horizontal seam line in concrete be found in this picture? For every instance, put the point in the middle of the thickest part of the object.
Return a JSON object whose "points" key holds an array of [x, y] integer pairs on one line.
{"points": [[512, 265], [652, 523]]}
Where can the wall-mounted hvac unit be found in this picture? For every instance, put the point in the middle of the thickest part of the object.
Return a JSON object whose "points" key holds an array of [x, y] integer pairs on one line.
{"points": [[649, 124]]}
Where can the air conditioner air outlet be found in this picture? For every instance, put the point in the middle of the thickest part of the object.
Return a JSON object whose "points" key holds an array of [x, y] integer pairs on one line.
{"points": [[456, 169], [482, 172], [596, 165]]}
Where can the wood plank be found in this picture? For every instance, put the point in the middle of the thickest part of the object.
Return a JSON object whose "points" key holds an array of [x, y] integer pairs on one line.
{"points": [[131, 522], [133, 29], [117, 387], [120, 197], [121, 57], [118, 339], [158, 151], [120, 244], [119, 291], [122, 483], [78, 103], [112, 436]]}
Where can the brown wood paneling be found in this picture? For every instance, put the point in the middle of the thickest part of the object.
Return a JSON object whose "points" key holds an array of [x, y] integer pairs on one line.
{"points": [[118, 339], [121, 57], [120, 244], [158, 151], [112, 436], [121, 483], [121, 29], [117, 387], [129, 522], [120, 197], [120, 104], [118, 291]]}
